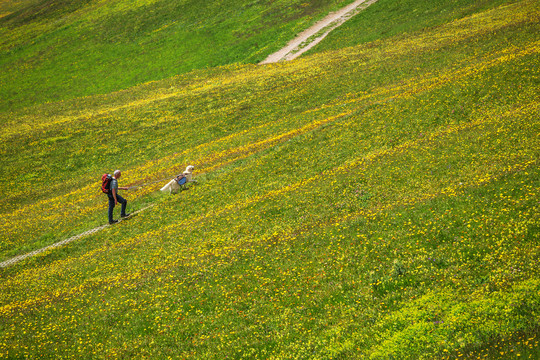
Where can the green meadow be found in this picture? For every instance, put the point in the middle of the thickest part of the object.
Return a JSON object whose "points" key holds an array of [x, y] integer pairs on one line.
{"points": [[56, 50], [375, 199]]}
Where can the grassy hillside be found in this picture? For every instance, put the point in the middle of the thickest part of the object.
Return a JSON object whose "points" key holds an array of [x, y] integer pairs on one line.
{"points": [[51, 50], [385, 19], [378, 201]]}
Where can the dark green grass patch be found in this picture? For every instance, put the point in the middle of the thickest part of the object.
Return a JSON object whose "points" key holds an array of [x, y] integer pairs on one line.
{"points": [[61, 50]]}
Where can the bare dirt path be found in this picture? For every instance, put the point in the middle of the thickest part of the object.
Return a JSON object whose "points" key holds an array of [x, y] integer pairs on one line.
{"points": [[315, 34]]}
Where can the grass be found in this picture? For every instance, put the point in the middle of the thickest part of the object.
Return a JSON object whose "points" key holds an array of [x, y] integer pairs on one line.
{"points": [[376, 201], [63, 49], [386, 19]]}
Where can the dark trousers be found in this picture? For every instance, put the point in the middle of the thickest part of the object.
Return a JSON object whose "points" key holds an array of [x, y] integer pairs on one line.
{"points": [[122, 201]]}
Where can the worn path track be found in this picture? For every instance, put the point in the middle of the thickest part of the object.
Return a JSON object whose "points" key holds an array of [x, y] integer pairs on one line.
{"points": [[315, 34], [16, 259]]}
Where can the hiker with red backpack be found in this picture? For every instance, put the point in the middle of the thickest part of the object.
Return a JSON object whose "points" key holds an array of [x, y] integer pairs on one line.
{"points": [[110, 187]]}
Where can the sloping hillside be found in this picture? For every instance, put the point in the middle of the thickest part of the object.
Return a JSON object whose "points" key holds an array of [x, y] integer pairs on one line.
{"points": [[51, 50], [376, 201], [402, 17]]}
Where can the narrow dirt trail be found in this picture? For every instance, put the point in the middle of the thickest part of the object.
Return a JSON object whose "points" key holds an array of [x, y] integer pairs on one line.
{"points": [[18, 258], [315, 34]]}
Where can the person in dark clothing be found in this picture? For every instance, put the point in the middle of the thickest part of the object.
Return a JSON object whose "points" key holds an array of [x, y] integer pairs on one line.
{"points": [[115, 198]]}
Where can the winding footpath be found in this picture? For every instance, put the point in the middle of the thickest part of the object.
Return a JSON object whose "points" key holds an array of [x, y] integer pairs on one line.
{"points": [[315, 34], [296, 47]]}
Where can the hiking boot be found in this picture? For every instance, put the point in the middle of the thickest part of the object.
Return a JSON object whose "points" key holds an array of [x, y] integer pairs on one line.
{"points": [[125, 215], [113, 222]]}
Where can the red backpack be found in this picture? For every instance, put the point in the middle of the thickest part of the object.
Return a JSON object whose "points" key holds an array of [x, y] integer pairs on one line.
{"points": [[106, 183]]}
